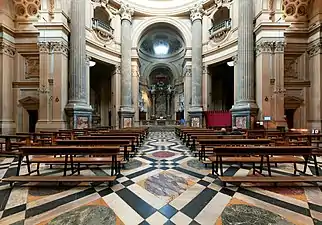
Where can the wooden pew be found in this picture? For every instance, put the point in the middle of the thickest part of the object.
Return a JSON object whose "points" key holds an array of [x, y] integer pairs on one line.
{"points": [[67, 151], [266, 153], [10, 144], [211, 143]]}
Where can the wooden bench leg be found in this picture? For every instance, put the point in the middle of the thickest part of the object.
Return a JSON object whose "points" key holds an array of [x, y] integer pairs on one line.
{"points": [[254, 169], [65, 165], [213, 168], [38, 172], [19, 164], [268, 166], [306, 158], [316, 165], [221, 168], [295, 169], [78, 168], [28, 164]]}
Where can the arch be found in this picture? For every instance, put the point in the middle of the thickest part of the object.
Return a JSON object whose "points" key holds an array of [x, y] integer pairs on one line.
{"points": [[179, 26], [102, 14], [148, 70], [221, 14], [292, 102]]}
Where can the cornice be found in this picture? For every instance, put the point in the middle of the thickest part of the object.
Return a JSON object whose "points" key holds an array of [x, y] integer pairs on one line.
{"points": [[214, 50], [53, 26], [263, 26], [25, 84], [157, 10]]}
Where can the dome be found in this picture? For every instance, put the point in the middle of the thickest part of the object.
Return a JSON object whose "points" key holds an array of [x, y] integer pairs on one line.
{"points": [[161, 44]]}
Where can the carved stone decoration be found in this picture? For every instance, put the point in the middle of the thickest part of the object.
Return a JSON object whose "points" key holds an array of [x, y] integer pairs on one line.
{"points": [[290, 69], [188, 72], [271, 8], [7, 49], [296, 10], [117, 69], [26, 9], [220, 3], [197, 12], [51, 9], [315, 48], [126, 12], [269, 47], [53, 47], [103, 32], [31, 67], [218, 34]]}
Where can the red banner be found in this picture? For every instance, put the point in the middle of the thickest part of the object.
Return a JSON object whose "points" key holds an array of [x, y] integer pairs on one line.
{"points": [[218, 118]]}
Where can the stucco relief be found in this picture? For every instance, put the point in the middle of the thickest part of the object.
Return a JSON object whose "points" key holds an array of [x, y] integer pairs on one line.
{"points": [[26, 9], [52, 46], [126, 12], [31, 67], [296, 10], [7, 49], [315, 48], [269, 47], [197, 12], [290, 68]]}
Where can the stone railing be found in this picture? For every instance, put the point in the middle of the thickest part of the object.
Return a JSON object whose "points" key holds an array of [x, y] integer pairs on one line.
{"points": [[219, 31], [103, 30]]}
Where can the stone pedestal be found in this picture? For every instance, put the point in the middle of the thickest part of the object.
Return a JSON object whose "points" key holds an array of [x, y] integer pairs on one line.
{"points": [[195, 111], [126, 112], [78, 110], [245, 109]]}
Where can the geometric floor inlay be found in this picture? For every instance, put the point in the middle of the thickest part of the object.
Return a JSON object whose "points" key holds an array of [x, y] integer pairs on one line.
{"points": [[163, 184]]}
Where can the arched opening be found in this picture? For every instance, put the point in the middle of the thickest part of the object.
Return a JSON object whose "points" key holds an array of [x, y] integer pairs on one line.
{"points": [[101, 15], [161, 51], [221, 24]]}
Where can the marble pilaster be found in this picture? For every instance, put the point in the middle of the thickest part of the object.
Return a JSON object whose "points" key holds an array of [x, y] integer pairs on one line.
{"points": [[78, 110], [135, 90], [195, 111], [126, 112], [315, 71], [7, 120], [245, 109], [187, 91], [270, 81], [116, 95]]}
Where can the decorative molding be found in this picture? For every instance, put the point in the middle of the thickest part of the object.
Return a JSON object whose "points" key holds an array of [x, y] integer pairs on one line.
{"points": [[26, 9], [51, 9], [220, 31], [188, 72], [271, 9], [31, 67], [290, 68], [104, 32], [117, 69], [126, 12], [7, 49], [315, 48], [25, 84], [235, 59], [53, 47], [296, 10], [269, 47], [197, 12]]}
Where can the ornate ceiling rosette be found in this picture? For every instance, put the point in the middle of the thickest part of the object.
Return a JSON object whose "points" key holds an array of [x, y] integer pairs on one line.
{"points": [[25, 9], [296, 10]]}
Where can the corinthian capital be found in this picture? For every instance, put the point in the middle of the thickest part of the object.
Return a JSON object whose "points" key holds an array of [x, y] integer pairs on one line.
{"points": [[126, 12], [197, 12]]}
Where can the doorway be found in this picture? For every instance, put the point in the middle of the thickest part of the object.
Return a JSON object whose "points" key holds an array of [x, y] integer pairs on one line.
{"points": [[33, 118], [289, 113]]}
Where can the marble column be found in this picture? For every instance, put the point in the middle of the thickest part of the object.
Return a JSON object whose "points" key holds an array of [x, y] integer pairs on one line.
{"points": [[153, 106], [168, 106], [115, 95], [195, 111], [7, 64], [78, 110], [126, 112], [135, 91], [245, 109]]}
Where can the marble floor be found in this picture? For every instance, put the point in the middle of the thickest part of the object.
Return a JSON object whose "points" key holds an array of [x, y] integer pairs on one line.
{"points": [[164, 184]]}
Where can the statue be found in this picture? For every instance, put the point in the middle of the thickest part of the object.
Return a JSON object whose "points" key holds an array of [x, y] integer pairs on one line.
{"points": [[152, 89], [141, 101], [169, 89]]}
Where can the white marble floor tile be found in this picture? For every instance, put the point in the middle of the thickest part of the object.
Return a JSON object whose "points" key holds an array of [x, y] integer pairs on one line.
{"points": [[18, 196], [157, 219], [122, 210], [213, 210], [187, 196], [181, 218], [148, 197]]}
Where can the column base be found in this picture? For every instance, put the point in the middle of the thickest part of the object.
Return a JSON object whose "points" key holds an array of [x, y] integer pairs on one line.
{"points": [[244, 114], [126, 115], [79, 116], [196, 115], [7, 127]]}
